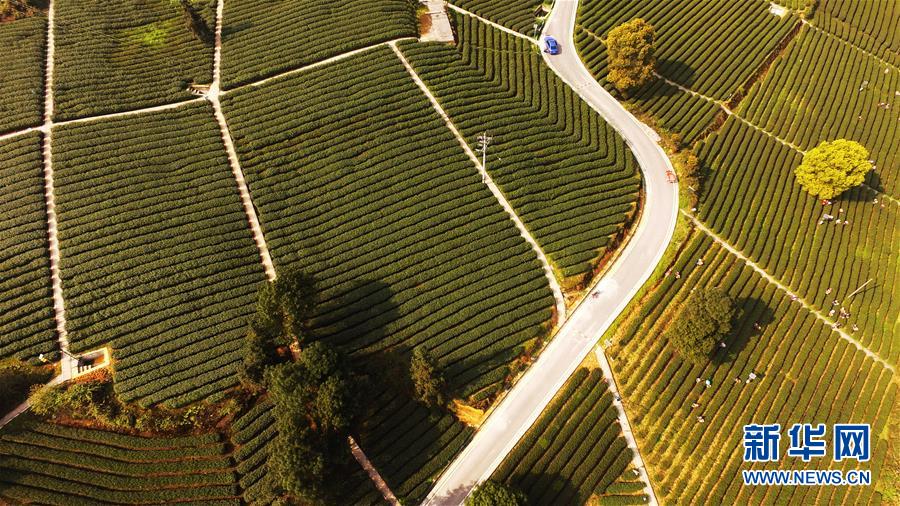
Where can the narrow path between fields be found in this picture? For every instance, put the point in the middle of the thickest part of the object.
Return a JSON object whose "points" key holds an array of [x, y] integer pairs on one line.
{"points": [[636, 460], [486, 178], [577, 337], [246, 201], [753, 265], [59, 306], [373, 473], [319, 63]]}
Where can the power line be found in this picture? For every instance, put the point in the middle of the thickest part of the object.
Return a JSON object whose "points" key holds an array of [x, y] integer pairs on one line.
{"points": [[484, 140]]}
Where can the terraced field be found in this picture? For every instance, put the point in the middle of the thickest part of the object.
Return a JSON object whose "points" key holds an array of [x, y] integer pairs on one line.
{"points": [[58, 465], [359, 182], [27, 327], [113, 56], [873, 25], [262, 38], [518, 15], [22, 73], [805, 372], [570, 177], [251, 434], [777, 225], [574, 450], [823, 89], [157, 255], [710, 46], [399, 436], [409, 444]]}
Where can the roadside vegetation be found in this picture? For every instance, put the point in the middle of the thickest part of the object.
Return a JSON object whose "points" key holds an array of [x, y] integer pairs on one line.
{"points": [[748, 117]]}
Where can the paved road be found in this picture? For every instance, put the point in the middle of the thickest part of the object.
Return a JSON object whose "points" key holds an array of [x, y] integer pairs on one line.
{"points": [[578, 336]]}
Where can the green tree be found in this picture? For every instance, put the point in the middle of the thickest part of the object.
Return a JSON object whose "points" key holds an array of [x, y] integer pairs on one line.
{"points": [[833, 167], [703, 319], [315, 402], [16, 381], [427, 379], [630, 51], [492, 493]]}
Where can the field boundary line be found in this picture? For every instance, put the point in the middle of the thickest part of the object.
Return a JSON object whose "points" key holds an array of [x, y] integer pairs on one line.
{"points": [[579, 26], [313, 65], [489, 182], [233, 160], [373, 473], [854, 46], [771, 279], [489, 22], [624, 425], [697, 94]]}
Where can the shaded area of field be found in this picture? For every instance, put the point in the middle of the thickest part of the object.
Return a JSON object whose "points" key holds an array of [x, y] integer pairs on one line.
{"points": [[53, 464], [569, 176], [359, 182]]}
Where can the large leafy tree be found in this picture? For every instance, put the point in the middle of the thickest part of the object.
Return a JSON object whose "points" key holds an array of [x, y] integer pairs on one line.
{"points": [[492, 493], [833, 167], [283, 310], [315, 402], [428, 382], [703, 319], [630, 50]]}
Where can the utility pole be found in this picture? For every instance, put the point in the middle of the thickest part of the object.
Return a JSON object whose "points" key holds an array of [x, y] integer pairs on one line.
{"points": [[858, 289], [483, 141]]}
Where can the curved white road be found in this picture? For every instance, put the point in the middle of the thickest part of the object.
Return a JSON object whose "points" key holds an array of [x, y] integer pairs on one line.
{"points": [[578, 336]]}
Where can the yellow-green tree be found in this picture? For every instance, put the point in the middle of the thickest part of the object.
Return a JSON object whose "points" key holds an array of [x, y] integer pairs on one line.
{"points": [[833, 167], [629, 48]]}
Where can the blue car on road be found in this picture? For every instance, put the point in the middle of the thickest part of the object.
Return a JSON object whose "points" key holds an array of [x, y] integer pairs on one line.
{"points": [[551, 46]]}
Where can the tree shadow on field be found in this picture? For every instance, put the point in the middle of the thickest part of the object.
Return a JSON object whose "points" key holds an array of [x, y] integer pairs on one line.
{"points": [[676, 71], [752, 312], [856, 194], [548, 489], [873, 180], [355, 320]]}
